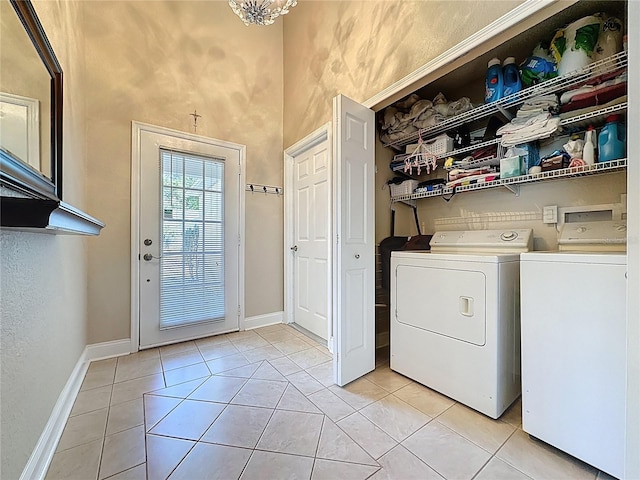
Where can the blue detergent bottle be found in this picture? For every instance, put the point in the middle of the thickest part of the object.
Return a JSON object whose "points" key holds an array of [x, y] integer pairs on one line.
{"points": [[510, 77], [612, 140], [494, 81]]}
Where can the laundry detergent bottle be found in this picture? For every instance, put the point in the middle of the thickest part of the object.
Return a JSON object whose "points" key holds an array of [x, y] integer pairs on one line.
{"points": [[510, 77], [494, 81], [612, 141]]}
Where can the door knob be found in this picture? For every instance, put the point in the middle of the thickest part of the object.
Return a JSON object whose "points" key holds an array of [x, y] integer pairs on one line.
{"points": [[148, 241], [294, 248], [357, 255], [148, 257]]}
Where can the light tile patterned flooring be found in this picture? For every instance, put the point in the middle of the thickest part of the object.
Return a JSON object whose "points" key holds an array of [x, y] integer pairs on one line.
{"points": [[261, 404]]}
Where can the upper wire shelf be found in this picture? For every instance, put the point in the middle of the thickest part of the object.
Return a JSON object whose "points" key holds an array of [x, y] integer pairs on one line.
{"points": [[553, 85]]}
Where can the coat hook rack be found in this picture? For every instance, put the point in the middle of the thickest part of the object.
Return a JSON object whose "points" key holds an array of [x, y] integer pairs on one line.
{"points": [[267, 189]]}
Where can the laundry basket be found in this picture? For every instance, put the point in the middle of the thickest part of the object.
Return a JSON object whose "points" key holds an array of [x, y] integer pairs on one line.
{"points": [[405, 188], [439, 145]]}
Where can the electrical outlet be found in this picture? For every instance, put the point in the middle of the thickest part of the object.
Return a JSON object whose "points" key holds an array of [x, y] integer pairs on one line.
{"points": [[550, 214]]}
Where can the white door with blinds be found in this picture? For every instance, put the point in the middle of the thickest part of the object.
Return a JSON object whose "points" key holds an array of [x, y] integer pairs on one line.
{"points": [[189, 238]]}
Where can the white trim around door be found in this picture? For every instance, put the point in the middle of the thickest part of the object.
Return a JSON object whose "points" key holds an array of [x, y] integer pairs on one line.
{"points": [[137, 129]]}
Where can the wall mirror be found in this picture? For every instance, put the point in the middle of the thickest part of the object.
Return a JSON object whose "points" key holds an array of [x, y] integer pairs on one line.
{"points": [[30, 106]]}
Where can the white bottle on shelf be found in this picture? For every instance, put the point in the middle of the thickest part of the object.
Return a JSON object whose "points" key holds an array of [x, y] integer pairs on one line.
{"points": [[588, 151]]}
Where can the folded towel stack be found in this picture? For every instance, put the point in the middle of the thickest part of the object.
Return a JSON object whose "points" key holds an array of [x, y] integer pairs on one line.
{"points": [[534, 120]]}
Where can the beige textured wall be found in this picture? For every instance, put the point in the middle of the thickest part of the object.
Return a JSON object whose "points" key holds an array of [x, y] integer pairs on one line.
{"points": [[358, 48], [43, 279], [156, 62]]}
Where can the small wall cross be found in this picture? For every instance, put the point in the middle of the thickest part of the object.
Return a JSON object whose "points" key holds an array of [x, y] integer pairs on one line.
{"points": [[195, 120]]}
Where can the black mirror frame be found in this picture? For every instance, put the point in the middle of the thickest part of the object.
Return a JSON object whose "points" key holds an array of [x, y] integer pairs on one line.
{"points": [[33, 202], [15, 174]]}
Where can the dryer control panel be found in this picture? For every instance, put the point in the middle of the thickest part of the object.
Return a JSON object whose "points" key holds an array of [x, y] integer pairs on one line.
{"points": [[483, 241]]}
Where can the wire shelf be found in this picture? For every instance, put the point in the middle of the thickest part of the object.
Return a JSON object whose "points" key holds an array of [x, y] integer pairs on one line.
{"points": [[580, 121], [470, 148], [583, 120], [597, 168], [480, 162], [553, 85]]}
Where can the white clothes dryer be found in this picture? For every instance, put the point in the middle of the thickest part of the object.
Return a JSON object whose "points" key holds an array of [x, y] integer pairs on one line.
{"points": [[455, 316]]}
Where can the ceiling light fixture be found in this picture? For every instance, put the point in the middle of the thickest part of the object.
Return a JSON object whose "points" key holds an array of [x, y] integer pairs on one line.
{"points": [[261, 12]]}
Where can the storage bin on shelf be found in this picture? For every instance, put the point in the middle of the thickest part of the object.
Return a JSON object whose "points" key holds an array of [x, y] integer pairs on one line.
{"points": [[436, 146], [405, 188]]}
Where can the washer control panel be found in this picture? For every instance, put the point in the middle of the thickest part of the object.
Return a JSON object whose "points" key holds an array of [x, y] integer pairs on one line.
{"points": [[594, 233]]}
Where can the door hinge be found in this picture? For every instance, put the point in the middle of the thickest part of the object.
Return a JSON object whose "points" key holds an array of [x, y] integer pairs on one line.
{"points": [[239, 311], [239, 240]]}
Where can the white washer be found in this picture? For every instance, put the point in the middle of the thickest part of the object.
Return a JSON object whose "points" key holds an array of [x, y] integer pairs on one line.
{"points": [[455, 323], [574, 343]]}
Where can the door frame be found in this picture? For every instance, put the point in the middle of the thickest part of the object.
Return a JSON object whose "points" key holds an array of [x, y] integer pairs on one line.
{"points": [[322, 134], [136, 130]]}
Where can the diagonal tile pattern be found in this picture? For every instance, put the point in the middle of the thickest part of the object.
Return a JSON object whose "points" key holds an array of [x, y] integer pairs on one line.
{"points": [[262, 404]]}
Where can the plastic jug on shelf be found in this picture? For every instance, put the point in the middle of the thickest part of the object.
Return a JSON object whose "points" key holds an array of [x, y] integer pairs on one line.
{"points": [[612, 141], [510, 77], [494, 81], [588, 151]]}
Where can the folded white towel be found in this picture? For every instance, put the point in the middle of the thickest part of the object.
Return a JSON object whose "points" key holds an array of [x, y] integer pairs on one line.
{"points": [[531, 132], [519, 123]]}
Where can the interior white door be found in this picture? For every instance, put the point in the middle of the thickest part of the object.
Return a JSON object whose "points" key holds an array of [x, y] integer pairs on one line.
{"points": [[312, 217], [189, 236], [354, 216]]}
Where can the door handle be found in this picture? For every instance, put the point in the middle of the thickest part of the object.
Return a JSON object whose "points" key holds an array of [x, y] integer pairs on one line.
{"points": [[294, 248], [148, 257], [466, 306]]}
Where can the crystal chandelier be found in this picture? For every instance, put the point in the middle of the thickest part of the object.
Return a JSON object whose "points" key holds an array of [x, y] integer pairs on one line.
{"points": [[261, 12]]}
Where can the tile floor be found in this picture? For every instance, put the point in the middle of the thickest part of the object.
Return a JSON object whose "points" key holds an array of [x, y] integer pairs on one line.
{"points": [[261, 404]]}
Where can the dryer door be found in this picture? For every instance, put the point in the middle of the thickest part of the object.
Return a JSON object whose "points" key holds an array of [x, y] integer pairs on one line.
{"points": [[449, 302]]}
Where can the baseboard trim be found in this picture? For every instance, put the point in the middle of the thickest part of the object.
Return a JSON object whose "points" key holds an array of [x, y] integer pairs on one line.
{"points": [[263, 320], [116, 348], [38, 464]]}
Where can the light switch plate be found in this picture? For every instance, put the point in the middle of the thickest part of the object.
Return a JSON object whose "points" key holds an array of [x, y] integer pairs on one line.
{"points": [[550, 214]]}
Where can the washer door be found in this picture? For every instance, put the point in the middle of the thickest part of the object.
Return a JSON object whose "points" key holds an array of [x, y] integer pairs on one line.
{"points": [[449, 302]]}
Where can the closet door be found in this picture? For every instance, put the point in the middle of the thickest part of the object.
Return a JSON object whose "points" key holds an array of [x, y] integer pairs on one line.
{"points": [[354, 214]]}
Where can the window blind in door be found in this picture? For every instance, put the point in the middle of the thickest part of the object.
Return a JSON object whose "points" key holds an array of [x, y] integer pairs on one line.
{"points": [[192, 232]]}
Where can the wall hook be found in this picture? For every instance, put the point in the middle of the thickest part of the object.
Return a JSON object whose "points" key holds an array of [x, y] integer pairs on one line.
{"points": [[267, 189]]}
